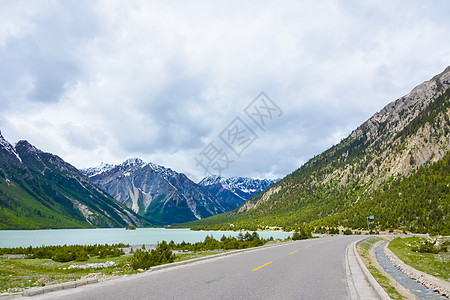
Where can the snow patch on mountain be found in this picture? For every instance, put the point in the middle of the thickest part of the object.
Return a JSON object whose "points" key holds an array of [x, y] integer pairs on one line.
{"points": [[93, 171], [133, 163], [242, 184], [234, 191], [128, 167], [8, 147], [164, 172]]}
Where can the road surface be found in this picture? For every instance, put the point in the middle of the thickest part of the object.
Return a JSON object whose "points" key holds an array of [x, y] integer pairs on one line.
{"points": [[307, 269]]}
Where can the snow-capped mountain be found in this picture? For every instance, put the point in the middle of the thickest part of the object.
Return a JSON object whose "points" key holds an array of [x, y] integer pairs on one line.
{"points": [[234, 191], [156, 192]]}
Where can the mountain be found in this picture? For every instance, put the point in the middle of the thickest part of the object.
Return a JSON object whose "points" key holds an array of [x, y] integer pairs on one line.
{"points": [[155, 192], [40, 190], [234, 191], [394, 166]]}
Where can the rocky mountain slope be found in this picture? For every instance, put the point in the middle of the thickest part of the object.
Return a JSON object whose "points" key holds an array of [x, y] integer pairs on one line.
{"points": [[158, 193], [234, 191], [403, 147], [40, 190]]}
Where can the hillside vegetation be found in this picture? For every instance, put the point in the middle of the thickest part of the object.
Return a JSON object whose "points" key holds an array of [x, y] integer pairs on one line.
{"points": [[394, 166], [39, 190]]}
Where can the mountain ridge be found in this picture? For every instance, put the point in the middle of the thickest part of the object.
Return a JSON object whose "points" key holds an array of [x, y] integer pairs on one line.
{"points": [[380, 122], [234, 191], [40, 190], [156, 192], [405, 136], [143, 187]]}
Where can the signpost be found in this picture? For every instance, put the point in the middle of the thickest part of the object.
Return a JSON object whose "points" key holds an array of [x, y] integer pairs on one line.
{"points": [[369, 218]]}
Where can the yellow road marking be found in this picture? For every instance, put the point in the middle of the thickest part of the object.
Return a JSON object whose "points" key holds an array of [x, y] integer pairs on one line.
{"points": [[262, 266], [309, 246], [293, 252]]}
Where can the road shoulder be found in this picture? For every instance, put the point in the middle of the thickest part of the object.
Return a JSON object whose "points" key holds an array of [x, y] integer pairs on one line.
{"points": [[361, 284]]}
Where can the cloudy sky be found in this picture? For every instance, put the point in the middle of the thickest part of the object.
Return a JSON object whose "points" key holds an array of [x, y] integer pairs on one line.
{"points": [[170, 81]]}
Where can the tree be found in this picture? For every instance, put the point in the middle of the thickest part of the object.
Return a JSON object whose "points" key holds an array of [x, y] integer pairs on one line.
{"points": [[82, 255], [143, 259]]}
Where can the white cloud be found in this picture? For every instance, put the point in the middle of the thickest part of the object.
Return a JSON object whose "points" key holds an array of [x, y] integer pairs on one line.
{"points": [[106, 80]]}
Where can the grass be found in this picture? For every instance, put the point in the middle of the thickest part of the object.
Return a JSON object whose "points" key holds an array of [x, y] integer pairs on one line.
{"points": [[18, 274], [363, 250], [192, 255], [433, 264]]}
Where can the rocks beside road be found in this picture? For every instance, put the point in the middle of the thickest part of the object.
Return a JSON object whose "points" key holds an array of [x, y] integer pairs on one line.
{"points": [[93, 265], [100, 276]]}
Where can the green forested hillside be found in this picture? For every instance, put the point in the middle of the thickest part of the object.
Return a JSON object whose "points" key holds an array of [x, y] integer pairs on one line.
{"points": [[39, 190], [394, 166], [20, 209], [38, 202], [419, 203]]}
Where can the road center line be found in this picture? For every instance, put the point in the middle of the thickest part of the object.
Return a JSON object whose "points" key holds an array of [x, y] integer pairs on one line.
{"points": [[262, 266], [293, 252], [309, 246]]}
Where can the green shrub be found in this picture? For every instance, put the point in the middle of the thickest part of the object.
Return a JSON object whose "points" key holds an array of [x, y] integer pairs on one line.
{"points": [[63, 255], [429, 246], [162, 254], [143, 259], [301, 235], [140, 260], [82, 256], [333, 231], [67, 253]]}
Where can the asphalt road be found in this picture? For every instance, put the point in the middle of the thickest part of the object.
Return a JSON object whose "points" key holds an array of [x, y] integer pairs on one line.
{"points": [[308, 269]]}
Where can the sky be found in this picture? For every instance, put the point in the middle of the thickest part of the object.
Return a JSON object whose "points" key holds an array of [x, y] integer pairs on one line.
{"points": [[232, 88]]}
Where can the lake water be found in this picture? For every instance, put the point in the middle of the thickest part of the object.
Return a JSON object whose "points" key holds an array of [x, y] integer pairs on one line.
{"points": [[148, 236]]}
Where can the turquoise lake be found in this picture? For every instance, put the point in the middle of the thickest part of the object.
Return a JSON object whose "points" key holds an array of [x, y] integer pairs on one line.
{"points": [[148, 236]]}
